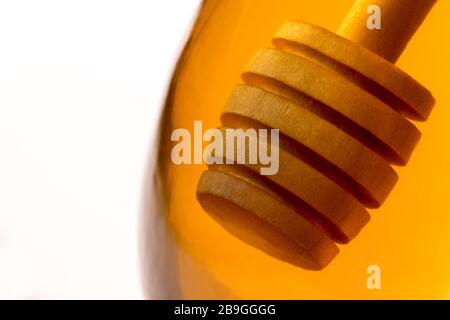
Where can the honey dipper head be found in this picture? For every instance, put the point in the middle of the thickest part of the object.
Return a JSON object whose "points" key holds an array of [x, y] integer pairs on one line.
{"points": [[342, 109]]}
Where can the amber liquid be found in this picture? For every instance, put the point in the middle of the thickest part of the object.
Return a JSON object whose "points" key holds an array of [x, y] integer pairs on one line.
{"points": [[408, 238]]}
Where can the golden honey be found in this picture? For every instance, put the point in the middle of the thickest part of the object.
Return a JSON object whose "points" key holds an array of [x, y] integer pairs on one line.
{"points": [[407, 238]]}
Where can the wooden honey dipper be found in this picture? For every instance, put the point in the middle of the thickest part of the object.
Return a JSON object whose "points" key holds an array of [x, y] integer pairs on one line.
{"points": [[342, 108]]}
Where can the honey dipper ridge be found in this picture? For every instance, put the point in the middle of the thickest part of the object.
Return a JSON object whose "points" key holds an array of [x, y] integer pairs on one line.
{"points": [[343, 110]]}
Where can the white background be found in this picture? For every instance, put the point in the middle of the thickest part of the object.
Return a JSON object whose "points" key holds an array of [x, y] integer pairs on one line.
{"points": [[81, 86]]}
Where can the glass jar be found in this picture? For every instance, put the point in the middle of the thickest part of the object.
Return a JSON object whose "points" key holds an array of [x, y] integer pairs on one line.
{"points": [[186, 254]]}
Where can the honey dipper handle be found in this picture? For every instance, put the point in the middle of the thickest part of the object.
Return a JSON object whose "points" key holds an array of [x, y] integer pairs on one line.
{"points": [[399, 21]]}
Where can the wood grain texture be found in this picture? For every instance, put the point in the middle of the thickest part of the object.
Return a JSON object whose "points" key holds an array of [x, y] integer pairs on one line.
{"points": [[307, 190], [340, 100], [367, 176], [400, 21], [358, 65], [257, 216]]}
